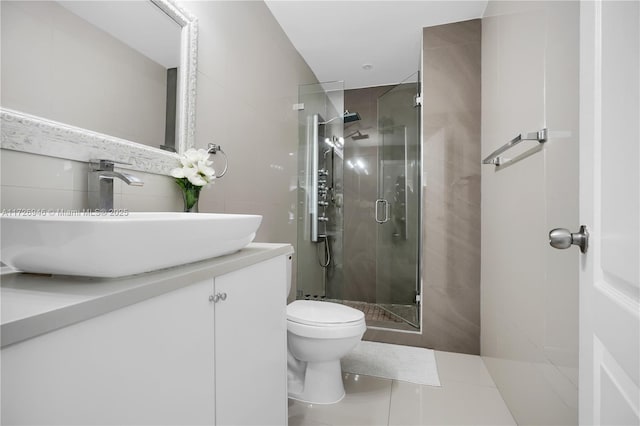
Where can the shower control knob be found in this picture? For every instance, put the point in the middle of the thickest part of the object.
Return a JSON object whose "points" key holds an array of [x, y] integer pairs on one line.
{"points": [[323, 219], [323, 203]]}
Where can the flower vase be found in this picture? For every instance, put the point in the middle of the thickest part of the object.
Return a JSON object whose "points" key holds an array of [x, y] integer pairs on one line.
{"points": [[193, 175], [190, 196]]}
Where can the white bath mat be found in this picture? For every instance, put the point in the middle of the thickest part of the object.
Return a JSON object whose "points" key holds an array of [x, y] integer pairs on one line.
{"points": [[405, 363]]}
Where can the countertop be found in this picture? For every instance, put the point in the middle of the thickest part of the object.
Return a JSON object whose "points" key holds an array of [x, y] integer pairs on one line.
{"points": [[34, 304]]}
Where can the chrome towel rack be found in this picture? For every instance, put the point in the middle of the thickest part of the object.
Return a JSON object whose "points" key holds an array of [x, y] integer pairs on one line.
{"points": [[214, 149], [495, 158]]}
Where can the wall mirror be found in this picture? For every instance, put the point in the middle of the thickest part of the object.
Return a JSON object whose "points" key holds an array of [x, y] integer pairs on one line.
{"points": [[99, 79]]}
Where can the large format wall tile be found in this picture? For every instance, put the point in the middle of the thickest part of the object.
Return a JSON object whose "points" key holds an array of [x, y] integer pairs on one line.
{"points": [[529, 290], [451, 193]]}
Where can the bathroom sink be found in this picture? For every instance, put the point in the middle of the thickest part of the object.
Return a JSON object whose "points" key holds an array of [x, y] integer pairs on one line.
{"points": [[115, 246]]}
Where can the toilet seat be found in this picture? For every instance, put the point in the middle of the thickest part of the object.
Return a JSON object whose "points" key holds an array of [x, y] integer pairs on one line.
{"points": [[319, 314], [324, 320], [333, 332]]}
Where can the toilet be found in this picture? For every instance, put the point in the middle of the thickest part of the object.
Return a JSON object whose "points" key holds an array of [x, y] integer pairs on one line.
{"points": [[319, 334]]}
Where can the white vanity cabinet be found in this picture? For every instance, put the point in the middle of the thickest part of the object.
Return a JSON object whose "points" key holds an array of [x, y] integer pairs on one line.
{"points": [[178, 358], [151, 362], [251, 345]]}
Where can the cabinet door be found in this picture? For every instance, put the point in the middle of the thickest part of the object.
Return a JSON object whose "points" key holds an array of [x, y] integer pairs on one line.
{"points": [[251, 354], [147, 363]]}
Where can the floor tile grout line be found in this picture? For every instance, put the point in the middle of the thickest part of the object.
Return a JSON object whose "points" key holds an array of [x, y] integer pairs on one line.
{"points": [[464, 382]]}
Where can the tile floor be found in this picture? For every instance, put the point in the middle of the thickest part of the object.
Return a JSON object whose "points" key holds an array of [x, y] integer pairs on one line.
{"points": [[467, 396]]}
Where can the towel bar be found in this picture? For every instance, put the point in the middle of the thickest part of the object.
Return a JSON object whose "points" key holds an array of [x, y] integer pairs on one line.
{"points": [[495, 158]]}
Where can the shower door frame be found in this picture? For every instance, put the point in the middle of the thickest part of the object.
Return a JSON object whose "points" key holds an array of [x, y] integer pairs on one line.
{"points": [[417, 302]]}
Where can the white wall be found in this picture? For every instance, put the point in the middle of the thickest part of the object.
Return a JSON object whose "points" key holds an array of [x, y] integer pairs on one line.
{"points": [[248, 77], [529, 323]]}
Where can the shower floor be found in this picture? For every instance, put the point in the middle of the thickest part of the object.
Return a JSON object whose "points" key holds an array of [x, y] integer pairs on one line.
{"points": [[376, 316]]}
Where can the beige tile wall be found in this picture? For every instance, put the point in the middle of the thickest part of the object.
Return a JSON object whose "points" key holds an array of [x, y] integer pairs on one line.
{"points": [[451, 193], [248, 77], [530, 290], [32, 181]]}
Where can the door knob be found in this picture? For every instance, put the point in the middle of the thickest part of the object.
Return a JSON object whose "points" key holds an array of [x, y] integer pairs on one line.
{"points": [[561, 238]]}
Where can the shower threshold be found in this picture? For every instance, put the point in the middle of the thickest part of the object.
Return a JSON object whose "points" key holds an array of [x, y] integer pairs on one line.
{"points": [[392, 316]]}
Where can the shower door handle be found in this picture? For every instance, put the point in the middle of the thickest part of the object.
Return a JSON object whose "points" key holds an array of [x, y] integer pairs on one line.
{"points": [[386, 210]]}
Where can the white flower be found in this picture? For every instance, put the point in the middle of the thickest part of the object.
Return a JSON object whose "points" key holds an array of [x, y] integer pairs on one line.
{"points": [[193, 156], [195, 167], [177, 173]]}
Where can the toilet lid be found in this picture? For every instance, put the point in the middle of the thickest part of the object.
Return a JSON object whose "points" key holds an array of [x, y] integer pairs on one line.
{"points": [[317, 313]]}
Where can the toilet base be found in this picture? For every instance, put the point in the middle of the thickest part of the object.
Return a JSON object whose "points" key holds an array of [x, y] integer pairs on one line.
{"points": [[322, 383]]}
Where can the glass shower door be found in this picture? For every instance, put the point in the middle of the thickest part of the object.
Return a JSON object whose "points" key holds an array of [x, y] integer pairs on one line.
{"points": [[397, 209]]}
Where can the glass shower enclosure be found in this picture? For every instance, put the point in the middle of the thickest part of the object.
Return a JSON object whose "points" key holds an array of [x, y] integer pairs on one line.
{"points": [[395, 212], [397, 208], [320, 191]]}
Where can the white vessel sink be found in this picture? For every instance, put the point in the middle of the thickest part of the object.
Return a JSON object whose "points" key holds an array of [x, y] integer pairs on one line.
{"points": [[116, 246]]}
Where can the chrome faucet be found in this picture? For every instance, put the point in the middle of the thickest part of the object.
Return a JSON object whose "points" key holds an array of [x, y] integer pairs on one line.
{"points": [[101, 175]]}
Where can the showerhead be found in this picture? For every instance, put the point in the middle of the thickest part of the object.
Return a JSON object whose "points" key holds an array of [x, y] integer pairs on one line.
{"points": [[357, 135], [347, 117], [350, 116]]}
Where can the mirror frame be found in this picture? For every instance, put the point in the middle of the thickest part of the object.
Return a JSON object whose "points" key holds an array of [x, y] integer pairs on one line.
{"points": [[38, 135]]}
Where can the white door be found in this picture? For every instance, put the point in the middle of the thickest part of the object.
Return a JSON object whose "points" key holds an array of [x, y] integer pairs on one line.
{"points": [[609, 380]]}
